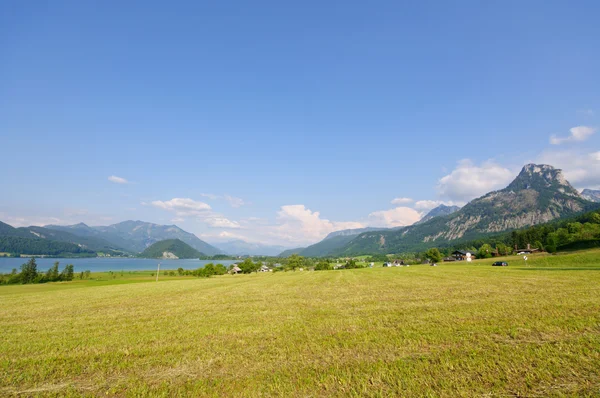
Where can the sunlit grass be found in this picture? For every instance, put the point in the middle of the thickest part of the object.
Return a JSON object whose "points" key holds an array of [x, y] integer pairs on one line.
{"points": [[452, 330]]}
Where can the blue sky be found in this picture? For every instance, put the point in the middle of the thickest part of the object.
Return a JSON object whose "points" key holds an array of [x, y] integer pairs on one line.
{"points": [[279, 123]]}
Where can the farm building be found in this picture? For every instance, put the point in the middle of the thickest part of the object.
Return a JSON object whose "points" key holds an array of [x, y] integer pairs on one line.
{"points": [[460, 255]]}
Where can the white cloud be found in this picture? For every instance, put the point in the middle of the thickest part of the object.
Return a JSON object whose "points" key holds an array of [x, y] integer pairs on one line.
{"points": [[432, 204], [579, 133], [468, 181], [396, 217], [221, 222], [210, 196], [185, 208], [118, 180], [401, 201], [580, 168], [232, 200], [299, 224], [182, 206]]}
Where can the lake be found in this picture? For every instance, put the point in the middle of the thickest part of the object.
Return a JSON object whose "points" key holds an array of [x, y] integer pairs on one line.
{"points": [[98, 264]]}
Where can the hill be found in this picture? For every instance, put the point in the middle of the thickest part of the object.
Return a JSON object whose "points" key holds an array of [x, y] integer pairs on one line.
{"points": [[37, 246], [170, 249], [338, 239], [135, 236], [440, 211], [38, 240], [539, 194], [352, 232], [289, 252], [239, 247]]}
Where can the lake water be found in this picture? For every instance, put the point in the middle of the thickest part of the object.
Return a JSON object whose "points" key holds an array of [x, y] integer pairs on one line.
{"points": [[107, 264]]}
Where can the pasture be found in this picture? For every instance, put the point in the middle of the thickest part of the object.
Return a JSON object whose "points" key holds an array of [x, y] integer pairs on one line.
{"points": [[452, 330]]}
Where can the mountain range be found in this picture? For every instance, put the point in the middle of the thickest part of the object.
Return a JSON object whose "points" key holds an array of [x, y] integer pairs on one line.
{"points": [[136, 236], [540, 193], [239, 247], [336, 240]]}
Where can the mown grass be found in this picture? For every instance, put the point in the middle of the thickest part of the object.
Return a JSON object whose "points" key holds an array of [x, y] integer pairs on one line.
{"points": [[452, 330]]}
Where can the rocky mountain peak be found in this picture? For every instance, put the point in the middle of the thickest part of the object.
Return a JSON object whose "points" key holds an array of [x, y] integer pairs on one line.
{"points": [[542, 177], [593, 195]]}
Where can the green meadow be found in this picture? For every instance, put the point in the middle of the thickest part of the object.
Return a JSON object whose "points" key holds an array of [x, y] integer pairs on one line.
{"points": [[453, 330]]}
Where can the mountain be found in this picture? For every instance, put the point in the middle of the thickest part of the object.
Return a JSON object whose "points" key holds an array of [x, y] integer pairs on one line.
{"points": [[352, 232], [331, 243], [27, 241], [539, 194], [170, 249], [240, 248], [87, 244], [440, 211], [289, 252], [135, 236], [593, 195]]}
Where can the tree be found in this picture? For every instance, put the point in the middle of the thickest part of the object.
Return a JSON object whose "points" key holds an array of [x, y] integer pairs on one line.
{"points": [[180, 271], [323, 265], [295, 261], [433, 255], [247, 266], [67, 273], [52, 274], [29, 271], [209, 269], [503, 250], [220, 269], [485, 251]]}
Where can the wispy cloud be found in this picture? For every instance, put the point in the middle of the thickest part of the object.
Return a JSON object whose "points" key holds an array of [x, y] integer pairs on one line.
{"points": [[182, 206], [586, 112], [579, 133], [118, 180], [185, 208], [401, 201], [232, 200]]}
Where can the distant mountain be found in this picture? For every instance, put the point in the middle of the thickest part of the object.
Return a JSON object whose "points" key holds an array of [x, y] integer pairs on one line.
{"points": [[440, 211], [289, 252], [26, 241], [593, 195], [539, 194], [352, 232], [92, 244], [240, 248], [332, 242], [170, 249], [136, 236]]}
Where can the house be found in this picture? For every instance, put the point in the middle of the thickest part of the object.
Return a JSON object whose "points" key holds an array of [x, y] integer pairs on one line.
{"points": [[460, 255], [235, 269], [529, 250], [264, 268]]}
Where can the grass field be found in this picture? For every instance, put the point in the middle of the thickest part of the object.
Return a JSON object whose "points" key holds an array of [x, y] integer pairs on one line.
{"points": [[452, 330]]}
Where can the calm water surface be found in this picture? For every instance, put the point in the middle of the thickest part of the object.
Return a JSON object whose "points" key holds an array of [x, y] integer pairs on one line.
{"points": [[107, 264]]}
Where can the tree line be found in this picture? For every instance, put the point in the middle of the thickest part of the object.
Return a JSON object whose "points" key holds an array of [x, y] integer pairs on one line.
{"points": [[29, 274]]}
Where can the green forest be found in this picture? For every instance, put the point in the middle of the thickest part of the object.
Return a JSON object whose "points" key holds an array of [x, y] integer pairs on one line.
{"points": [[18, 245]]}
